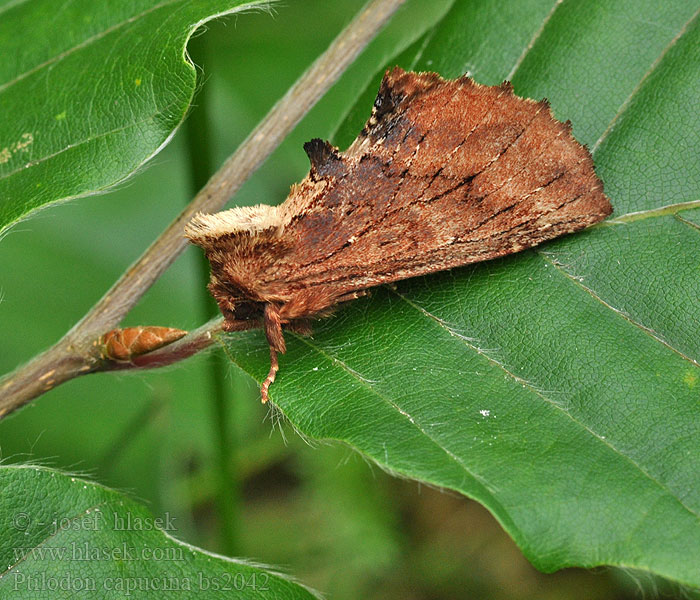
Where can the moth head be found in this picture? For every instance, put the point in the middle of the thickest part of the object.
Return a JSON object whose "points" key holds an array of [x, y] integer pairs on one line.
{"points": [[235, 242], [239, 309]]}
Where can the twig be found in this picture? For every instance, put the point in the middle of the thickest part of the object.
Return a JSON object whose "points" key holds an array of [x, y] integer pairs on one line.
{"points": [[221, 398], [77, 353]]}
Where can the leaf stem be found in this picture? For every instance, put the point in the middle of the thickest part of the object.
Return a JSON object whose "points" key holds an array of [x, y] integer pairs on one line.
{"points": [[77, 353], [650, 213], [198, 135]]}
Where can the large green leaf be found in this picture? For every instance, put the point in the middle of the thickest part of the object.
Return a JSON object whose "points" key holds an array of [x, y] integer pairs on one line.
{"points": [[151, 432], [93, 90], [64, 536], [559, 387]]}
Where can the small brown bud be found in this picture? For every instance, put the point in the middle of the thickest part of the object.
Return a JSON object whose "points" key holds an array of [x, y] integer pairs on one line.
{"points": [[122, 345]]}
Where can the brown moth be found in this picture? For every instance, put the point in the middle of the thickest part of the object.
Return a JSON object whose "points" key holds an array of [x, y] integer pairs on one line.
{"points": [[121, 345], [444, 173]]}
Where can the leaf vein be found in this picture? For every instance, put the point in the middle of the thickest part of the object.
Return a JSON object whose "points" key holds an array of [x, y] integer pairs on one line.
{"points": [[365, 383], [626, 103], [647, 330], [54, 534], [687, 222], [533, 41], [59, 57], [537, 392], [104, 134], [10, 5], [669, 209]]}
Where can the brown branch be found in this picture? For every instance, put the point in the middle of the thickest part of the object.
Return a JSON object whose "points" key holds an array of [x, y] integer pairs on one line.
{"points": [[77, 353]]}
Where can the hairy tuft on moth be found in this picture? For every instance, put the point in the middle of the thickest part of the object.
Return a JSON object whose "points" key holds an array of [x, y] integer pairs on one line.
{"points": [[444, 173]]}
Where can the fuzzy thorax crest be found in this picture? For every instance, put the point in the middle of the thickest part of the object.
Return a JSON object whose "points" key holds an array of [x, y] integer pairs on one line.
{"points": [[250, 219]]}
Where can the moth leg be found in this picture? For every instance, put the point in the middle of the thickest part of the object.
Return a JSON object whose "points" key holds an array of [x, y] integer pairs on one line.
{"points": [[275, 337], [352, 295], [231, 324], [300, 326], [274, 367]]}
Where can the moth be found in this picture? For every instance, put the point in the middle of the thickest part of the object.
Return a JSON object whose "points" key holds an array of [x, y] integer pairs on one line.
{"points": [[444, 173]]}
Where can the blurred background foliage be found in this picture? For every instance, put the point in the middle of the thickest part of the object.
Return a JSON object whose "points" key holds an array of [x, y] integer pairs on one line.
{"points": [[193, 440]]}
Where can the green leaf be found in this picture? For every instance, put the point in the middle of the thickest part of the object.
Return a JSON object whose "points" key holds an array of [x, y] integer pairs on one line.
{"points": [[560, 387], [94, 90], [62, 535]]}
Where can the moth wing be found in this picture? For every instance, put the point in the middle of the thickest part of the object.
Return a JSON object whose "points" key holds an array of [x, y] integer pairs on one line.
{"points": [[445, 173]]}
